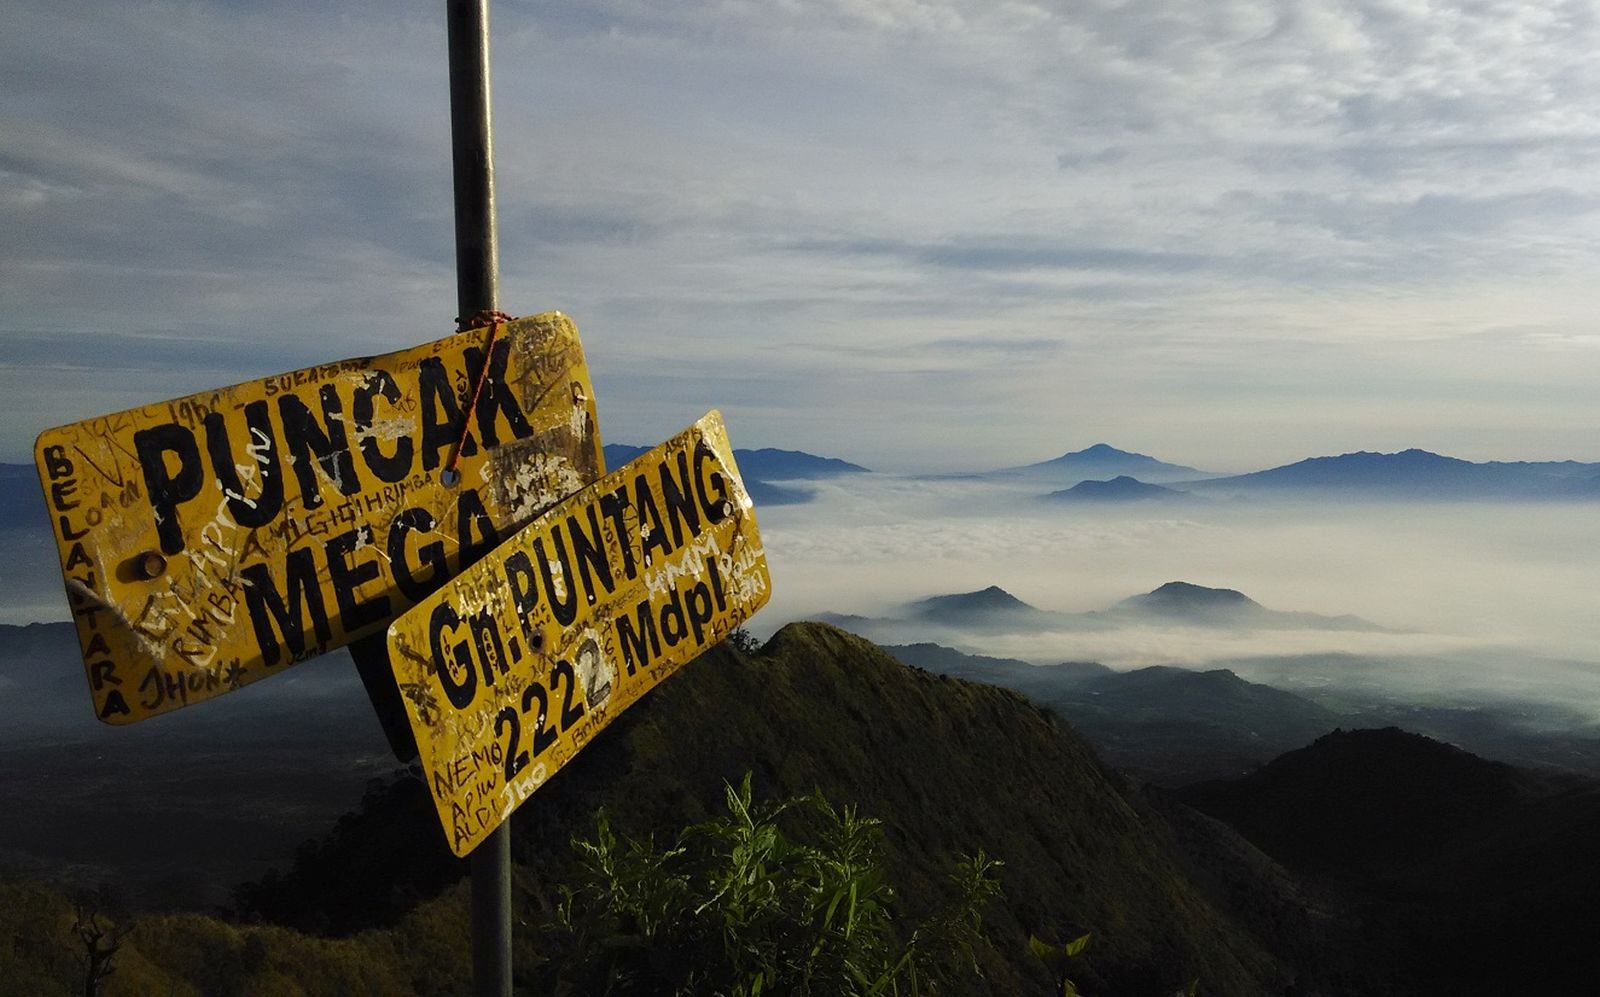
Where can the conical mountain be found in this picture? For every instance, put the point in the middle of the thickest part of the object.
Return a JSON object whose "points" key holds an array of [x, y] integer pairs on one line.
{"points": [[1101, 462]]}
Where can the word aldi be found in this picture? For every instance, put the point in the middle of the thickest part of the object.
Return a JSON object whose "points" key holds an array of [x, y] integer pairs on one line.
{"points": [[512, 667], [210, 541]]}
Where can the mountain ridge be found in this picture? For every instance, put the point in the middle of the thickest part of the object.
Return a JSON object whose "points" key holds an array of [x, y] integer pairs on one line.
{"points": [[1160, 724], [1416, 473], [820, 709]]}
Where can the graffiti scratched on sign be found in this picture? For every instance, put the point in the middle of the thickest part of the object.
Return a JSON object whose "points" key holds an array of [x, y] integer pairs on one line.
{"points": [[510, 669], [210, 541]]}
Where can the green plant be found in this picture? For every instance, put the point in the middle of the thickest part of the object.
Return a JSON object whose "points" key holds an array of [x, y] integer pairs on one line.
{"points": [[769, 898], [1058, 959]]}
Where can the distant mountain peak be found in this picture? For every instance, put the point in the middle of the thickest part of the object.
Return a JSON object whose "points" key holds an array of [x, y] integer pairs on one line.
{"points": [[1103, 451], [1101, 461], [994, 595], [1411, 769], [1122, 488], [1189, 590], [1187, 597], [993, 599]]}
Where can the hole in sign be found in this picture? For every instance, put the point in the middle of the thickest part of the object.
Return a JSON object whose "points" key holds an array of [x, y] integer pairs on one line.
{"points": [[149, 565]]}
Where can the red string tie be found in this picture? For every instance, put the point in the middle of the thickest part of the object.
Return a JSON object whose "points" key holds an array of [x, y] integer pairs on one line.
{"points": [[492, 319]]}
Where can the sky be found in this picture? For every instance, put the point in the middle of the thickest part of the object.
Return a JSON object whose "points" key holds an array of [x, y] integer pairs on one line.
{"points": [[916, 235]]}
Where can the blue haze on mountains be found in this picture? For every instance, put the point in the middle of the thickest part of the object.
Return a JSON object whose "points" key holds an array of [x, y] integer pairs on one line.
{"points": [[1264, 614], [1436, 580]]}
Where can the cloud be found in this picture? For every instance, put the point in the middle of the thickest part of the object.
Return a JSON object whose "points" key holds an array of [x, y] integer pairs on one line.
{"points": [[1013, 253], [820, 210], [1478, 599], [1427, 216]]}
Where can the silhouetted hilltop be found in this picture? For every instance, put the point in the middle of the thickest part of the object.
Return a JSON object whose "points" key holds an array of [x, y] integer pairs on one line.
{"points": [[1122, 488], [1470, 876], [1188, 603], [1101, 461], [961, 606], [1187, 597], [1368, 799]]}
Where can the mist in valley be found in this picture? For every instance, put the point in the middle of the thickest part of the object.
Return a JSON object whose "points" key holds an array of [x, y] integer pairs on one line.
{"points": [[1470, 602], [1467, 601], [1471, 622]]}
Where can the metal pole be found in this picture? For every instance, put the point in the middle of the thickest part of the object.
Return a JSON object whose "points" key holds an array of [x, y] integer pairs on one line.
{"points": [[477, 289], [472, 156]]}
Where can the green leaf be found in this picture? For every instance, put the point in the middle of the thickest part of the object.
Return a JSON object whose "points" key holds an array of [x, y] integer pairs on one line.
{"points": [[1077, 945], [1043, 952]]}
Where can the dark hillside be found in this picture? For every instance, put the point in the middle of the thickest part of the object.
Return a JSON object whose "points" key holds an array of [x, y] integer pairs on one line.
{"points": [[949, 766], [1174, 726], [1470, 876], [1163, 725], [1373, 801]]}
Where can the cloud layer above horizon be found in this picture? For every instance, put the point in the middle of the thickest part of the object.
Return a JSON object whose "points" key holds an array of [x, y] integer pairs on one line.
{"points": [[917, 235]]}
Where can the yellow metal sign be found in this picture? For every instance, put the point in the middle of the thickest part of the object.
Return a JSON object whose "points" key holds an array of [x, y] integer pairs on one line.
{"points": [[512, 667], [210, 541]]}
